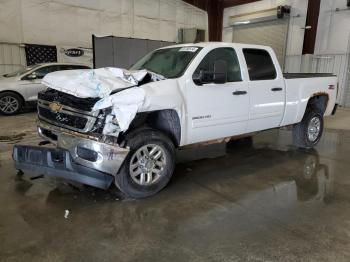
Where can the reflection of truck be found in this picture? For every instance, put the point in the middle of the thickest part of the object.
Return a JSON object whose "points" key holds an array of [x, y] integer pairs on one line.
{"points": [[211, 92]]}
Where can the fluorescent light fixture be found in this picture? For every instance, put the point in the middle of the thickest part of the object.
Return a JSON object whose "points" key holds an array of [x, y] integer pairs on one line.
{"points": [[242, 22]]}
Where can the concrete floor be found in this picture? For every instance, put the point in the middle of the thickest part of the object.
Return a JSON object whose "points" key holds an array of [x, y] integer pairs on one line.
{"points": [[265, 201]]}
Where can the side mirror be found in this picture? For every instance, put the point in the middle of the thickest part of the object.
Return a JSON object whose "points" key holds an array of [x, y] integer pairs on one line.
{"points": [[218, 76], [220, 72], [31, 76]]}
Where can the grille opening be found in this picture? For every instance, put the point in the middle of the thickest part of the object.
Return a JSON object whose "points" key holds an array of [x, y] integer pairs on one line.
{"points": [[49, 134], [87, 154]]}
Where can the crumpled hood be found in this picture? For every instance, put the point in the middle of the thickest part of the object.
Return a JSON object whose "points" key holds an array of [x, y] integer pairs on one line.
{"points": [[95, 82]]}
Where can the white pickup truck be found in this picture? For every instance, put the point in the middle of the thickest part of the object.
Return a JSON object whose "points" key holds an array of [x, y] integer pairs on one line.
{"points": [[203, 92]]}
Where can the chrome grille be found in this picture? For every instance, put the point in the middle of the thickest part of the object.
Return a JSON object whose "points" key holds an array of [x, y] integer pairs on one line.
{"points": [[67, 117]]}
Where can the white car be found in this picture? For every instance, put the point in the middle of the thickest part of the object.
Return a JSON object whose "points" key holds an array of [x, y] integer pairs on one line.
{"points": [[22, 87], [210, 92]]}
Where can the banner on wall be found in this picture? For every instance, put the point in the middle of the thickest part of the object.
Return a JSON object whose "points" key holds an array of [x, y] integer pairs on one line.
{"points": [[79, 55], [36, 54]]}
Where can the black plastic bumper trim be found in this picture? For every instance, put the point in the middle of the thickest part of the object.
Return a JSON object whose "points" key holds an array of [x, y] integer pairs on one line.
{"points": [[57, 163]]}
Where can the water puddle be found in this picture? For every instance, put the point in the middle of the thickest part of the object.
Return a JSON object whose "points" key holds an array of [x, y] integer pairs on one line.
{"points": [[12, 139]]}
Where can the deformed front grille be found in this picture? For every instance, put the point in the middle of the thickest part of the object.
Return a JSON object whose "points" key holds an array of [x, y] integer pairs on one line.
{"points": [[62, 118], [66, 117]]}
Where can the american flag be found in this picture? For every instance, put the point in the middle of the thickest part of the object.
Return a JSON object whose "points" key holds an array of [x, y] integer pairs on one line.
{"points": [[36, 54]]}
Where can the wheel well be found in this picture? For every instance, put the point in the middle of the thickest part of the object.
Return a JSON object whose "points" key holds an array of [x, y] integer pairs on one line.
{"points": [[319, 102], [14, 92], [166, 121]]}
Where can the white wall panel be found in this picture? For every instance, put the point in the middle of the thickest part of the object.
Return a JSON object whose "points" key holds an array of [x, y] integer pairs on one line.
{"points": [[10, 21], [72, 22], [12, 57], [333, 28], [167, 10], [36, 21], [147, 8], [146, 28], [63, 25], [168, 31], [86, 29]]}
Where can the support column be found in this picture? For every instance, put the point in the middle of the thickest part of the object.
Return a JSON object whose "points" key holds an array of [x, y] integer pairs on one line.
{"points": [[313, 11]]}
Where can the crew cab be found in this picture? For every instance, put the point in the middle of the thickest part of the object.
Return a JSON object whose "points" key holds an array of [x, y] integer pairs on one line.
{"points": [[22, 86], [208, 92]]}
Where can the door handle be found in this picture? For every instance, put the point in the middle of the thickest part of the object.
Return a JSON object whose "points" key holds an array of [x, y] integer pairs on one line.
{"points": [[275, 89], [239, 93]]}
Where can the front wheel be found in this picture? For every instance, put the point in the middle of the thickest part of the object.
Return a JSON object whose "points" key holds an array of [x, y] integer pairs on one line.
{"points": [[308, 132], [149, 165]]}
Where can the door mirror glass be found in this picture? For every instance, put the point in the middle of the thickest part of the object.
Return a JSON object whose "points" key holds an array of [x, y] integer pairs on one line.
{"points": [[218, 76], [220, 72]]}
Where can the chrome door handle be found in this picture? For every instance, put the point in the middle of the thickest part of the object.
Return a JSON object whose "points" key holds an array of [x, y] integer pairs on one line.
{"points": [[239, 93]]}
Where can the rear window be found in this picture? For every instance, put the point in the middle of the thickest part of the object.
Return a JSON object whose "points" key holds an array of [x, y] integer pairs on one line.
{"points": [[260, 65]]}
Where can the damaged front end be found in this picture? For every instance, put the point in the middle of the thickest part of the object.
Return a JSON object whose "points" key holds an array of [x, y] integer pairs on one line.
{"points": [[82, 134], [81, 157]]}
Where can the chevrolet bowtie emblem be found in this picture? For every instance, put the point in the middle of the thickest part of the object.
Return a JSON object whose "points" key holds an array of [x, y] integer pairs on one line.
{"points": [[55, 107]]}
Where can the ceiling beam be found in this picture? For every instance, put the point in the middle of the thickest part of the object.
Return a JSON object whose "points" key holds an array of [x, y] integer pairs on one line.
{"points": [[215, 19], [230, 3]]}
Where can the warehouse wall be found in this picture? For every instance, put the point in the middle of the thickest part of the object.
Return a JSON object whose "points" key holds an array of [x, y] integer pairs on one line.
{"points": [[332, 42], [297, 21], [332, 48], [72, 22]]}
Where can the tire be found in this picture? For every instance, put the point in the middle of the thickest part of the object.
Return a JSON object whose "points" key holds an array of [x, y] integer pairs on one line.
{"points": [[302, 133], [10, 103], [135, 179]]}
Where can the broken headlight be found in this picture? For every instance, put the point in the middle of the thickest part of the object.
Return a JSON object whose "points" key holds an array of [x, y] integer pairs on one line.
{"points": [[100, 121], [107, 123]]}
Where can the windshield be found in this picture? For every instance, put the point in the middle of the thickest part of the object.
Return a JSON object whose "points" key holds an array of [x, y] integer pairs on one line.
{"points": [[168, 62], [20, 71]]}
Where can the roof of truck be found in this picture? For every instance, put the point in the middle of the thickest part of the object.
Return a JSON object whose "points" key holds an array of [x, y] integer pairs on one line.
{"points": [[217, 44]]}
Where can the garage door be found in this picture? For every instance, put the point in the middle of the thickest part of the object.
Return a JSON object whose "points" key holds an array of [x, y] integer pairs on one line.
{"points": [[271, 33]]}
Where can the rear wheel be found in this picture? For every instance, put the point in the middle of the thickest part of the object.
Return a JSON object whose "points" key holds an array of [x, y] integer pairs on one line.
{"points": [[308, 132], [10, 103], [149, 165]]}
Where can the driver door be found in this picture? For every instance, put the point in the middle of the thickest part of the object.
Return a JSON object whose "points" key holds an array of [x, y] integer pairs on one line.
{"points": [[31, 82], [217, 110]]}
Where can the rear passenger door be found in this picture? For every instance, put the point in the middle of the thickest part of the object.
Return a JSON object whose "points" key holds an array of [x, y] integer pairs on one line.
{"points": [[266, 89]]}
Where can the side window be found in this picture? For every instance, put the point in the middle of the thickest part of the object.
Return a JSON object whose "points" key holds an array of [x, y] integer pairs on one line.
{"points": [[226, 54], [72, 67], [260, 65], [43, 71]]}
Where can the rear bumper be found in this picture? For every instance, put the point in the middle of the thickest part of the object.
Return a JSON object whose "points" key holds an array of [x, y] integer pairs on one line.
{"points": [[76, 157]]}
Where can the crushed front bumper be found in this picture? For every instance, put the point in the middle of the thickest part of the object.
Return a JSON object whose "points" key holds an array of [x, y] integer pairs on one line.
{"points": [[76, 157]]}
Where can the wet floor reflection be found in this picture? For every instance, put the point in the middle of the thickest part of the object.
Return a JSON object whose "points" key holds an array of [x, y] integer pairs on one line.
{"points": [[260, 199], [247, 173]]}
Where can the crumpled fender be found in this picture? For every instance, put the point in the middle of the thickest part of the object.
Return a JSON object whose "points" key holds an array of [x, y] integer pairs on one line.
{"points": [[154, 96]]}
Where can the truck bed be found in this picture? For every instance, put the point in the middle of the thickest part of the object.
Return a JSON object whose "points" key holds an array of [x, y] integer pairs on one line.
{"points": [[306, 75]]}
